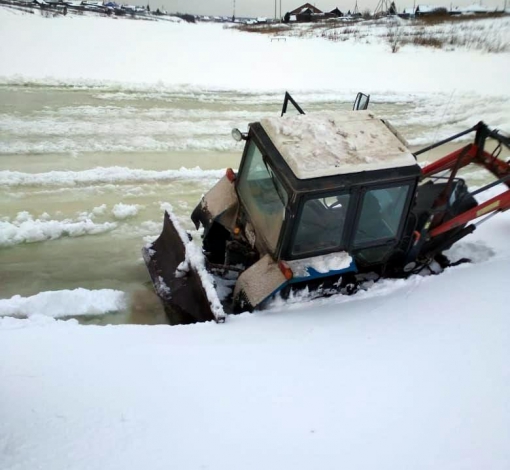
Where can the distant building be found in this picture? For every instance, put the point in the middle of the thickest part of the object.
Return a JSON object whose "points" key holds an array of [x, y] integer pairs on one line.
{"points": [[307, 13], [304, 9], [476, 8], [427, 10]]}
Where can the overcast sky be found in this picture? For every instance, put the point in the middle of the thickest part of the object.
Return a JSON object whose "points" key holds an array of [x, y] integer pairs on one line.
{"points": [[256, 8]]}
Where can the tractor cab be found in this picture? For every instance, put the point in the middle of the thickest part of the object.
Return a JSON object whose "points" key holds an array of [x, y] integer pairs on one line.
{"points": [[332, 182]]}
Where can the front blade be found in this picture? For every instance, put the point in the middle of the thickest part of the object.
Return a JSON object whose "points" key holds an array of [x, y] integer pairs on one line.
{"points": [[177, 269]]}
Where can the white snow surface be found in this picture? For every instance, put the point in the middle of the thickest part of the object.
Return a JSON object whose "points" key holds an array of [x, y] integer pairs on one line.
{"points": [[64, 303], [411, 374], [321, 264], [326, 144], [164, 54]]}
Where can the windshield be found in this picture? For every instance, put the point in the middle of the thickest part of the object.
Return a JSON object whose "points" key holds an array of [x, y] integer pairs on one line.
{"points": [[263, 196]]}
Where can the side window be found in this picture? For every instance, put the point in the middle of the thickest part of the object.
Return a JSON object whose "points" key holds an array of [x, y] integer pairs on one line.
{"points": [[321, 224], [381, 213]]}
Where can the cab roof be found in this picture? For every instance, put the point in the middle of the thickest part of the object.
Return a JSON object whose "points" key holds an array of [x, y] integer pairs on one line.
{"points": [[336, 143]]}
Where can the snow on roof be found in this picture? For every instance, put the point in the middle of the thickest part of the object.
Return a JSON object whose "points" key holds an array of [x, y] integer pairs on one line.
{"points": [[426, 8], [327, 144], [474, 8]]}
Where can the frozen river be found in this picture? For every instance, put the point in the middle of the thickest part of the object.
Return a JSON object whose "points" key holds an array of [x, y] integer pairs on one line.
{"points": [[86, 172]]}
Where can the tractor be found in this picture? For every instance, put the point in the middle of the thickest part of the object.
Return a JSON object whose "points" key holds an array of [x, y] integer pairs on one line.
{"points": [[324, 202]]}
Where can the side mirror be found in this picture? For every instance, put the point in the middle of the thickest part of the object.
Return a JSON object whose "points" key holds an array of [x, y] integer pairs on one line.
{"points": [[361, 102]]}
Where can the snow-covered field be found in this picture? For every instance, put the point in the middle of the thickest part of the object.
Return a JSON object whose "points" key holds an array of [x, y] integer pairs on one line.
{"points": [[158, 54], [97, 118]]}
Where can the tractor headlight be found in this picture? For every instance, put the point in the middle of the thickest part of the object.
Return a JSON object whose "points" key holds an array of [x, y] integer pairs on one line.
{"points": [[237, 135]]}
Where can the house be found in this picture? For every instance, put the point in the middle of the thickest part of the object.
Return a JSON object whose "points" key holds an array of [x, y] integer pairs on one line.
{"points": [[307, 13], [304, 9], [475, 9], [427, 10], [336, 12]]}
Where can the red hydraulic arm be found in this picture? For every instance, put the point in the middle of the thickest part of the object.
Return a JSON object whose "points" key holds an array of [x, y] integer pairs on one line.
{"points": [[472, 153]]}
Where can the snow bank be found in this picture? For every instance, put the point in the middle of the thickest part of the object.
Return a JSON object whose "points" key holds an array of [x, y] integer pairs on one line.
{"points": [[25, 229], [111, 174], [206, 55], [416, 378], [65, 303]]}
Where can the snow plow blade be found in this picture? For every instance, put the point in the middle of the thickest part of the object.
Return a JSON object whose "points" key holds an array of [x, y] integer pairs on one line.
{"points": [[176, 266]]}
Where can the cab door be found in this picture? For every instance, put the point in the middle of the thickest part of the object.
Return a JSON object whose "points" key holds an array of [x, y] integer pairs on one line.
{"points": [[381, 216]]}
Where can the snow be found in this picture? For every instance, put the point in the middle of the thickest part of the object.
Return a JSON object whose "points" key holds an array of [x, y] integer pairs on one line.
{"points": [[474, 8], [321, 264], [26, 229], [315, 64], [64, 303], [326, 144], [414, 375], [410, 374], [426, 8]]}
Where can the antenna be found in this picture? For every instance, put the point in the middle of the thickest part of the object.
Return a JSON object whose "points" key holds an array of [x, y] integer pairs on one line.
{"points": [[356, 9], [384, 8]]}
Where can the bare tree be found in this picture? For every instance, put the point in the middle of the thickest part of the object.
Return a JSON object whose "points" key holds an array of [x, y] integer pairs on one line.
{"points": [[394, 35]]}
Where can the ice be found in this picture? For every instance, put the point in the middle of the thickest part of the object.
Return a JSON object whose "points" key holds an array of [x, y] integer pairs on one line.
{"points": [[65, 303], [124, 211], [25, 229], [97, 175], [99, 210]]}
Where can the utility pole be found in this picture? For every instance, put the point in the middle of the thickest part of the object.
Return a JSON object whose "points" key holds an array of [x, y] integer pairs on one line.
{"points": [[281, 10], [275, 1]]}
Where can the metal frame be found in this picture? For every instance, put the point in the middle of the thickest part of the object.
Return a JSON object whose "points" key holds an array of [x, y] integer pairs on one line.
{"points": [[471, 153], [286, 100]]}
